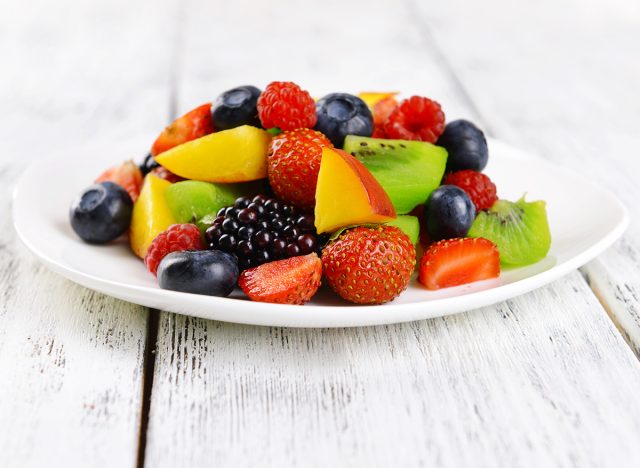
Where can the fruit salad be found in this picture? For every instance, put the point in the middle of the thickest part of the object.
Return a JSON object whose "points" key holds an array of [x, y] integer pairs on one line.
{"points": [[275, 193]]}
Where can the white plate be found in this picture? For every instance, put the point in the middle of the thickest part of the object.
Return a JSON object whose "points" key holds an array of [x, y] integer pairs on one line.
{"points": [[584, 221]]}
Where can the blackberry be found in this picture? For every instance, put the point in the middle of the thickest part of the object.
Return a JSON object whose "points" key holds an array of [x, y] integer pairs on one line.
{"points": [[260, 230]]}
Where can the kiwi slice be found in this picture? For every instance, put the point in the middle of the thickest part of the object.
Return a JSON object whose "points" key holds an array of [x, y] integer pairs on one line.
{"points": [[407, 170], [409, 225], [519, 229]]}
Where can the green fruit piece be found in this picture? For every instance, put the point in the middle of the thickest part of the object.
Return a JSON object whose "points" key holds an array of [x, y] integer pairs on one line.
{"points": [[520, 230], [407, 170], [191, 200], [409, 225]]}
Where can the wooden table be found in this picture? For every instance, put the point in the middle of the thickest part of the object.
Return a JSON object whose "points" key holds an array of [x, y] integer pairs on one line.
{"points": [[546, 379]]}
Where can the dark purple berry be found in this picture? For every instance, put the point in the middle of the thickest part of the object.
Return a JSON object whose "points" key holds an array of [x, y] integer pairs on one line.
{"points": [[213, 233], [247, 216], [230, 226], [307, 243], [242, 202], [262, 239], [305, 223], [261, 229], [227, 243], [293, 250], [278, 248], [261, 256], [259, 209], [245, 232], [290, 232], [244, 249]]}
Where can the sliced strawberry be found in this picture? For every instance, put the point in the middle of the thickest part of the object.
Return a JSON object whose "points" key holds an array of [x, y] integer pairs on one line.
{"points": [[194, 124], [127, 175], [453, 262], [290, 281]]}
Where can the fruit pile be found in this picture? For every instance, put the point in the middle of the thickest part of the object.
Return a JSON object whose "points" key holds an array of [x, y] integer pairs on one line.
{"points": [[274, 192]]}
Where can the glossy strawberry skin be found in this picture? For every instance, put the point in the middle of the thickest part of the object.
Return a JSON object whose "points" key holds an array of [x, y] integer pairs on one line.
{"points": [[369, 265], [293, 166]]}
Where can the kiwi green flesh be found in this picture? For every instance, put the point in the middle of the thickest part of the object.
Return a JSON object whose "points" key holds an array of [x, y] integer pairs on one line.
{"points": [[519, 229], [407, 170], [192, 200], [409, 225]]}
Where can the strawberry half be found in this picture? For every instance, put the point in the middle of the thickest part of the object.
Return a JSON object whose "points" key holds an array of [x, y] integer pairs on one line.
{"points": [[290, 281], [194, 124], [127, 175], [453, 262]]}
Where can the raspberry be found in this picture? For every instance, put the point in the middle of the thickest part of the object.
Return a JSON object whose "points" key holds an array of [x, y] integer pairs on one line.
{"points": [[369, 265], [417, 118], [284, 105], [477, 185], [175, 238], [293, 166]]}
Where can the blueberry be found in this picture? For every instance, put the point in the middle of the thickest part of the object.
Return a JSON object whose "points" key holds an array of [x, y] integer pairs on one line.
{"points": [[209, 272], [466, 145], [341, 114], [236, 107], [449, 213], [101, 213]]}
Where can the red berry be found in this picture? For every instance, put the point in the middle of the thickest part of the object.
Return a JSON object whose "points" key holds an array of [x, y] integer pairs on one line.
{"points": [[290, 281], [381, 112], [194, 124], [453, 262], [127, 175], [369, 265], [293, 165], [417, 118], [477, 185], [285, 105], [175, 238]]}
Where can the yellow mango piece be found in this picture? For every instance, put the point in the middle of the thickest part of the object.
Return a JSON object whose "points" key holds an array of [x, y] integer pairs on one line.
{"points": [[372, 98], [347, 194], [235, 155], [151, 214]]}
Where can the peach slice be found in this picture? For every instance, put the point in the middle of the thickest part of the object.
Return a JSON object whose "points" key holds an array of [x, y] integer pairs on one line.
{"points": [[235, 155], [151, 214], [371, 98], [347, 194]]}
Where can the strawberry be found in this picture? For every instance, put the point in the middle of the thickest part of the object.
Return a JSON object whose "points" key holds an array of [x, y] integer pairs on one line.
{"points": [[453, 262], [127, 175], [369, 265], [290, 281], [194, 124], [478, 186], [293, 165]]}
